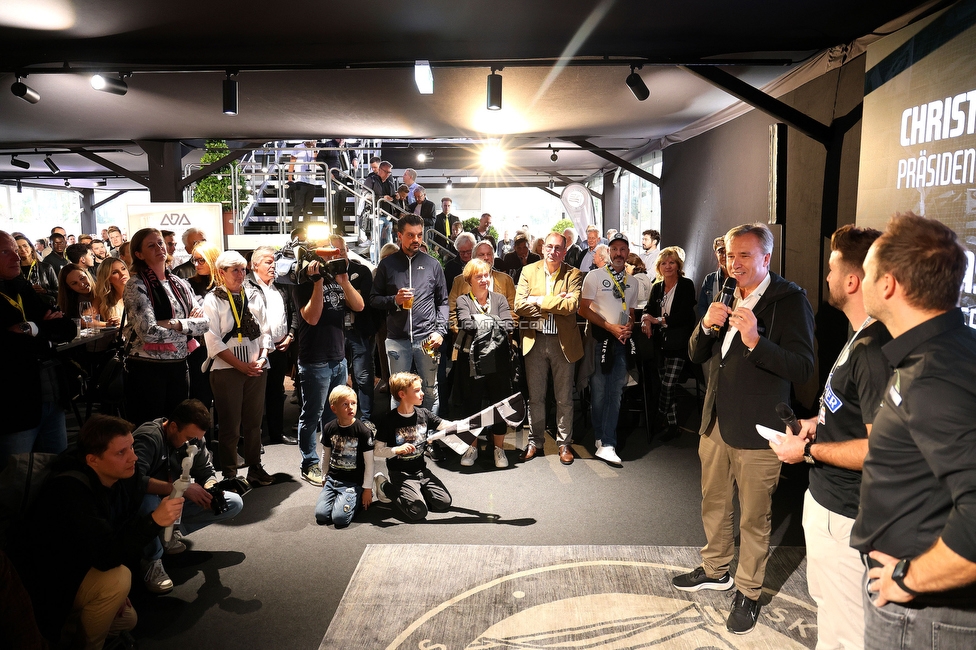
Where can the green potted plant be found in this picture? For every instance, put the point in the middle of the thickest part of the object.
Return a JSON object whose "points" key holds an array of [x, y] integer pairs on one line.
{"points": [[216, 188]]}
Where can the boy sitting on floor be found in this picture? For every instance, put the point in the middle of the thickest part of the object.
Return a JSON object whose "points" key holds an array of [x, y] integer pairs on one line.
{"points": [[402, 439], [348, 455]]}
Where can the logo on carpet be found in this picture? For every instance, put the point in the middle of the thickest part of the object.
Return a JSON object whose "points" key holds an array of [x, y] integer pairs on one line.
{"points": [[615, 604]]}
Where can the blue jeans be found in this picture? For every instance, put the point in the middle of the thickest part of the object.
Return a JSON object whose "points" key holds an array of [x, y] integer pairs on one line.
{"points": [[894, 627], [338, 503], [403, 356], [50, 436], [194, 518], [605, 393], [359, 352], [318, 380]]}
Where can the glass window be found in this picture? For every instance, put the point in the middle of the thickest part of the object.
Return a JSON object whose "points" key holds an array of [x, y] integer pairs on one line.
{"points": [[640, 200]]}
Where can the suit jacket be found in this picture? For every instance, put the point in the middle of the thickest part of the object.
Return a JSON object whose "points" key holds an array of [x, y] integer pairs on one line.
{"points": [[512, 265], [532, 282], [445, 228], [427, 209], [744, 387], [503, 286], [681, 319]]}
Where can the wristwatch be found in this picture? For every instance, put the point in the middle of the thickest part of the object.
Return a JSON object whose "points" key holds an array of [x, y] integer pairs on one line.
{"points": [[25, 327], [807, 456], [898, 576]]}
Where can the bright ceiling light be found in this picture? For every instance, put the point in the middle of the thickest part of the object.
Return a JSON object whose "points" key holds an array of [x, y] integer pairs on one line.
{"points": [[37, 14], [424, 77], [421, 157], [492, 157], [109, 84]]}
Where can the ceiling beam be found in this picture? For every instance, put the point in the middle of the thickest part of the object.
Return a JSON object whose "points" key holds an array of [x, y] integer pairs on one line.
{"points": [[108, 164], [568, 180], [212, 167], [114, 196], [618, 161], [763, 102]]}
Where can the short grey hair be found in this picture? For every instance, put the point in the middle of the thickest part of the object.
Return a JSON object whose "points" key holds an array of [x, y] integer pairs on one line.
{"points": [[602, 251], [230, 259], [189, 232], [760, 230], [465, 237], [592, 227], [263, 250], [483, 242], [411, 172]]}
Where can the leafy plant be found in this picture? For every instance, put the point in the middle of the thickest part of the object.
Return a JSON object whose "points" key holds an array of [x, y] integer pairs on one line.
{"points": [[561, 226], [216, 188]]}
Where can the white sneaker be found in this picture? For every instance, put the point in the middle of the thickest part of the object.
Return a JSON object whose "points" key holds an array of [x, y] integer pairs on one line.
{"points": [[175, 544], [607, 453], [501, 460], [379, 479], [156, 579], [471, 455], [599, 443]]}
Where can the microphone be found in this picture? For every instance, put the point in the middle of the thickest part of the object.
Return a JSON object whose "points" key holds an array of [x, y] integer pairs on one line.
{"points": [[727, 297], [786, 414]]}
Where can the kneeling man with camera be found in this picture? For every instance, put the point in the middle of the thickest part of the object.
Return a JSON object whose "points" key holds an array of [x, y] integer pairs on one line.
{"points": [[161, 447]]}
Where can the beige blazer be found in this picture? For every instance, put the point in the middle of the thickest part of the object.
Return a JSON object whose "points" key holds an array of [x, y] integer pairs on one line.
{"points": [[532, 282]]}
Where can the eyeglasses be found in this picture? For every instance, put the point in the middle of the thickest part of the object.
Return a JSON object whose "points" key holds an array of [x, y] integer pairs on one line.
{"points": [[199, 260], [550, 247]]}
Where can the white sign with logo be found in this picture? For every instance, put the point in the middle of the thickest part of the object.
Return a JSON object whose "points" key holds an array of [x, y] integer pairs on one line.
{"points": [[178, 217]]}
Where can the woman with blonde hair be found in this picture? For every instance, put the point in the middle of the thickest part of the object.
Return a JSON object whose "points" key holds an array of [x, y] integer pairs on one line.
{"points": [[669, 318], [204, 260], [109, 285]]}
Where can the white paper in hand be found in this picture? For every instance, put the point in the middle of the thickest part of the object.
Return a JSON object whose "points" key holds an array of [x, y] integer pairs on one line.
{"points": [[771, 435]]}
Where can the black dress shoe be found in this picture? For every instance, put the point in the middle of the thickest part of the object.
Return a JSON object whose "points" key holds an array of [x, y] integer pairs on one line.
{"points": [[286, 440], [528, 453]]}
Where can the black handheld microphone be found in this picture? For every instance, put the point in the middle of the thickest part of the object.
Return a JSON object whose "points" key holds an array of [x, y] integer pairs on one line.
{"points": [[727, 297], [786, 414]]}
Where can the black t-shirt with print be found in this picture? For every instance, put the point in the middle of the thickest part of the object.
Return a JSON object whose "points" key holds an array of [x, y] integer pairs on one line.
{"points": [[348, 445], [324, 341], [396, 429], [851, 400]]}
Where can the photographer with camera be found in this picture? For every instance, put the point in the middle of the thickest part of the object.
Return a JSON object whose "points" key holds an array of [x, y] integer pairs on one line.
{"points": [[160, 447], [322, 294]]}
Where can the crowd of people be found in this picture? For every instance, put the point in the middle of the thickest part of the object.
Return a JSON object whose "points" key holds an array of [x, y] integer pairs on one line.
{"points": [[210, 336]]}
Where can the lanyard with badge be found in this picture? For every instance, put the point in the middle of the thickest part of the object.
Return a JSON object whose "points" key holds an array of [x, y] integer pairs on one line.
{"points": [[624, 315], [19, 305], [240, 350], [829, 400]]}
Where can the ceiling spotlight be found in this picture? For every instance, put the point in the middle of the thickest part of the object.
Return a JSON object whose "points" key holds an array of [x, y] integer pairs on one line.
{"points": [[25, 92], [492, 157], [450, 185], [109, 84], [231, 94], [101, 183], [424, 77], [495, 91], [555, 155], [66, 183], [23, 164], [20, 187], [421, 157], [552, 184], [50, 165], [636, 84]]}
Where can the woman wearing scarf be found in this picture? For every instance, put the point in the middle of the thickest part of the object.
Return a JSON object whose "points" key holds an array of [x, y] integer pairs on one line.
{"points": [[238, 342], [669, 318], [41, 275], [163, 317]]}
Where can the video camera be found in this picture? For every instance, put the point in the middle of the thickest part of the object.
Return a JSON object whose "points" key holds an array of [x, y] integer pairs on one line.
{"points": [[291, 263]]}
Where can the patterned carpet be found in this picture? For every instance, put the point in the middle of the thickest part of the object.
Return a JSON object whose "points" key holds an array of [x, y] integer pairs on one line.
{"points": [[433, 597]]}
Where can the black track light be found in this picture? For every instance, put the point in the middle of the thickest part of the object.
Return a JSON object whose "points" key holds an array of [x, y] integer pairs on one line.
{"points": [[552, 184], [231, 94], [25, 92], [50, 165], [67, 183], [101, 183], [20, 187], [16, 162], [636, 84], [554, 156], [494, 91], [450, 185], [109, 84]]}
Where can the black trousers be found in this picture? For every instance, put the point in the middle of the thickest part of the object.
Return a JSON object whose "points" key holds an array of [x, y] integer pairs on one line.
{"points": [[154, 388], [274, 396]]}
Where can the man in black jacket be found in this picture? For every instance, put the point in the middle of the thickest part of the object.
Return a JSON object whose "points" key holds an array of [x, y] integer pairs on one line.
{"points": [[83, 530], [520, 257], [32, 416], [422, 207], [409, 286], [764, 343]]}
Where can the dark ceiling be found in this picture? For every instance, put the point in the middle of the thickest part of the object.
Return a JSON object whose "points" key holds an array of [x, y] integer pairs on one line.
{"points": [[328, 69]]}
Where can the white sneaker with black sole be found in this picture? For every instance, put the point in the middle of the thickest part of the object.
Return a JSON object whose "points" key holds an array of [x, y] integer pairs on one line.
{"points": [[379, 480], [609, 455]]}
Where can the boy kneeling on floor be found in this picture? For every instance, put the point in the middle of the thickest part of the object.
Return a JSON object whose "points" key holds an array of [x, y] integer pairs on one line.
{"points": [[402, 439], [348, 455]]}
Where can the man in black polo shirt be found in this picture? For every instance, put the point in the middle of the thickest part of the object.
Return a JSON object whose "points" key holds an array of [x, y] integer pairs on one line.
{"points": [[917, 519], [835, 443]]}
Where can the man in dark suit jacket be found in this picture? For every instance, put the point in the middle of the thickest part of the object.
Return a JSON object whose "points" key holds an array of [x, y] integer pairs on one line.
{"points": [[514, 261], [765, 344], [444, 222], [423, 207]]}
